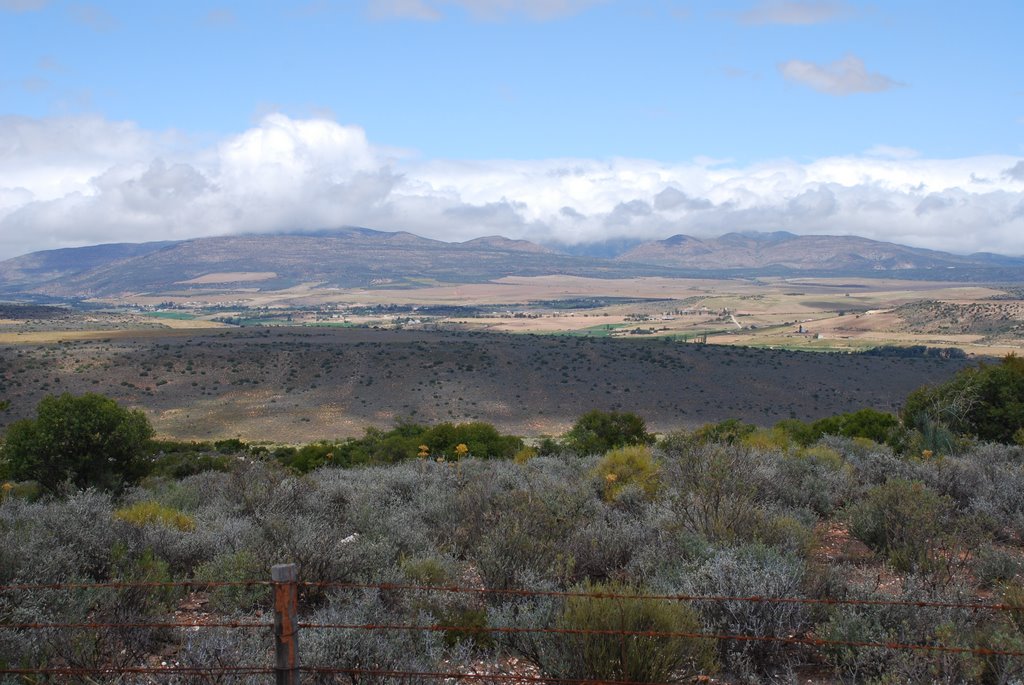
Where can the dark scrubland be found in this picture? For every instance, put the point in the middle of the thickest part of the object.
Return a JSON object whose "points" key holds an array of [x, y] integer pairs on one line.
{"points": [[298, 385]]}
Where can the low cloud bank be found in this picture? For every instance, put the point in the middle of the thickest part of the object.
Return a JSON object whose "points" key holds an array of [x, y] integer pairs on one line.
{"points": [[86, 180]]}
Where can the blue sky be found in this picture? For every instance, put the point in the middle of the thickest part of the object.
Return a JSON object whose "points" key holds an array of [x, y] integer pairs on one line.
{"points": [[571, 120]]}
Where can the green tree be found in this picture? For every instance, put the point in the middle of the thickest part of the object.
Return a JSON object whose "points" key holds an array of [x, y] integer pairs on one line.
{"points": [[986, 402], [598, 431], [88, 440]]}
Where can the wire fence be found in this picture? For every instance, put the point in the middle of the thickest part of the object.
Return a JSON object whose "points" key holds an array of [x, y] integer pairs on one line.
{"points": [[286, 628]]}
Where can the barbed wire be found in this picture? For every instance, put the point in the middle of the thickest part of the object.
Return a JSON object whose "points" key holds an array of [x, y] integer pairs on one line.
{"points": [[139, 670], [133, 626], [114, 584], [807, 641], [828, 601]]}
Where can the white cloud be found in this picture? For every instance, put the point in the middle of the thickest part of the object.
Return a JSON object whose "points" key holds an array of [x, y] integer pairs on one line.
{"points": [[892, 152], [85, 180], [795, 12], [842, 77], [402, 9], [488, 10]]}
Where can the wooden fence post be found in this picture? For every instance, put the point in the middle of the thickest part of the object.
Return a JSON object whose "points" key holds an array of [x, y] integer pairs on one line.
{"points": [[286, 623]]}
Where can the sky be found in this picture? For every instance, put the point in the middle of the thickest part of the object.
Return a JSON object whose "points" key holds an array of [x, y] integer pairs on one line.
{"points": [[558, 121]]}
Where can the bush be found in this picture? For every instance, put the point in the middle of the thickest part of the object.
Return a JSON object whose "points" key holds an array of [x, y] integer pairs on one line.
{"points": [[865, 423], [712, 490], [905, 521], [385, 650], [634, 658], [882, 624], [597, 431], [613, 657], [153, 513], [234, 567], [746, 571], [187, 463], [89, 440], [728, 432], [627, 466], [993, 566]]}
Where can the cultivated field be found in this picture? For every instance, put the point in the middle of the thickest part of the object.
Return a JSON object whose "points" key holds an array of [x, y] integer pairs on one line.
{"points": [[794, 313]]}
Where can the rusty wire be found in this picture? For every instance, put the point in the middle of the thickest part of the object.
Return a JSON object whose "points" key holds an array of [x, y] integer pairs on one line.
{"points": [[29, 587], [807, 641], [974, 606], [827, 601], [139, 626], [139, 670]]}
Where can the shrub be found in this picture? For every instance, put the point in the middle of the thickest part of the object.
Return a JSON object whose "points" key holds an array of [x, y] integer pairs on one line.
{"points": [[905, 521], [635, 658], [712, 490], [993, 565], [597, 431], [613, 657], [882, 624], [815, 478], [525, 454], [385, 650], [750, 570], [153, 513], [234, 567], [728, 432], [627, 466], [187, 463], [864, 423]]}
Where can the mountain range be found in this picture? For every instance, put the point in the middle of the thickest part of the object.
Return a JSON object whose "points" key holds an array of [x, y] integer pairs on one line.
{"points": [[362, 257]]}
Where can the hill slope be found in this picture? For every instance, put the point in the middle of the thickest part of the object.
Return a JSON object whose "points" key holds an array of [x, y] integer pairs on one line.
{"points": [[355, 257], [363, 258], [848, 254]]}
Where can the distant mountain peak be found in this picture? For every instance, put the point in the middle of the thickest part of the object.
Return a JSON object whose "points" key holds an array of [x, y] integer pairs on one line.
{"points": [[503, 243]]}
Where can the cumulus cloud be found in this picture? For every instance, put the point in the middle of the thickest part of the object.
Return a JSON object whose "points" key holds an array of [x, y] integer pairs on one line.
{"points": [[673, 198], [795, 12], [488, 10], [1016, 172], [842, 77], [85, 180]]}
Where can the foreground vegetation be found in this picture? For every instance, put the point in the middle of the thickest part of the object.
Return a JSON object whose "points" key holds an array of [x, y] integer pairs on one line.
{"points": [[865, 505]]}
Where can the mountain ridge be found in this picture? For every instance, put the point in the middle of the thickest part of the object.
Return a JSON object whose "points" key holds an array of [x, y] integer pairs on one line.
{"points": [[362, 257]]}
